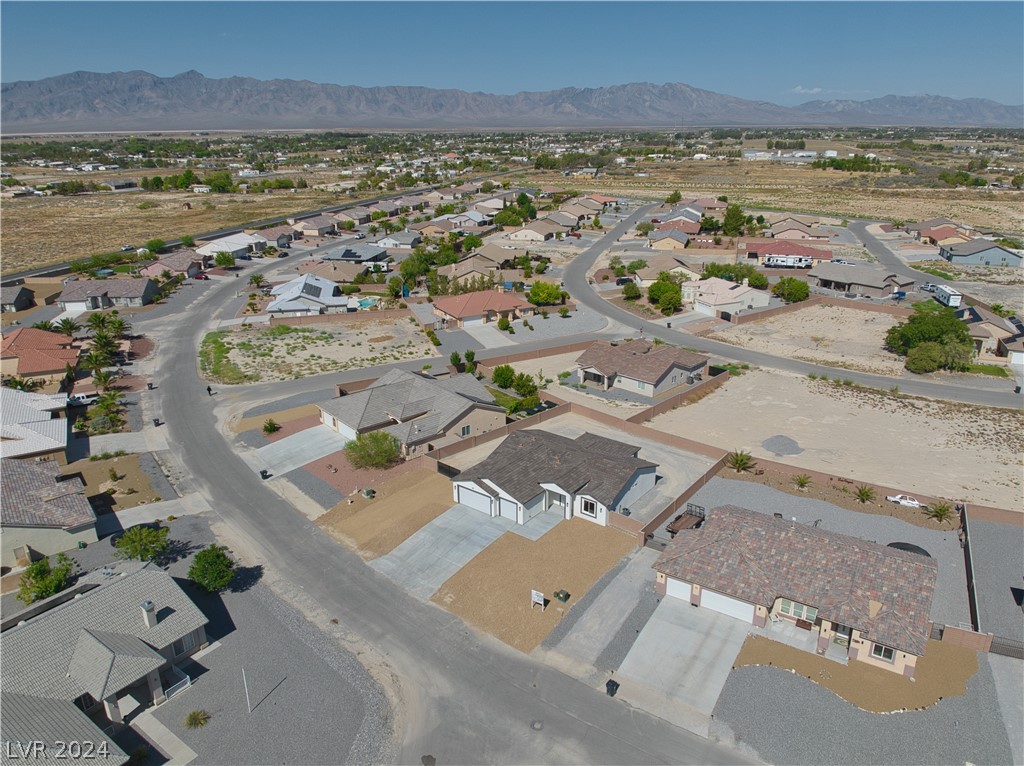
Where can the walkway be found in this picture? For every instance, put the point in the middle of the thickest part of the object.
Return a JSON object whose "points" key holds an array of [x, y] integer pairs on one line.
{"points": [[296, 450], [110, 523], [177, 752]]}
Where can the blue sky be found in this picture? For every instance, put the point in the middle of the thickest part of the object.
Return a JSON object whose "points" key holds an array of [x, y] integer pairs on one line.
{"points": [[786, 53]]}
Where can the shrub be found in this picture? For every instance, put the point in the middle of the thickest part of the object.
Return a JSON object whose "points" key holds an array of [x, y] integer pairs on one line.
{"points": [[375, 449], [271, 426], [865, 494], [197, 719], [503, 376], [563, 312], [40, 580], [212, 569], [791, 290], [455, 359], [740, 461], [142, 543], [924, 358], [470, 356], [524, 384], [631, 292], [802, 481], [504, 324], [940, 512]]}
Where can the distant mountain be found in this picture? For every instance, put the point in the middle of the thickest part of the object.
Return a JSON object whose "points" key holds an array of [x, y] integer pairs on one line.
{"points": [[124, 101]]}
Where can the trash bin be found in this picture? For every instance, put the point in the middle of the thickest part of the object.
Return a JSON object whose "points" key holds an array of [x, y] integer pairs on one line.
{"points": [[149, 386], [561, 595], [81, 544], [264, 473], [611, 686], [668, 325], [156, 421]]}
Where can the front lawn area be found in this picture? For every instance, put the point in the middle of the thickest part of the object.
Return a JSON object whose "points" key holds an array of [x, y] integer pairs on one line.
{"points": [[502, 398], [988, 369]]}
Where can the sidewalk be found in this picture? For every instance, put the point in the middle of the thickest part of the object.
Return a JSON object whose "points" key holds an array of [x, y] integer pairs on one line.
{"points": [[177, 752]]}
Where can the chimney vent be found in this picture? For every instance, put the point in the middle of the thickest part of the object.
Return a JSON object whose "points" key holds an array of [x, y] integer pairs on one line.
{"points": [[148, 613]]}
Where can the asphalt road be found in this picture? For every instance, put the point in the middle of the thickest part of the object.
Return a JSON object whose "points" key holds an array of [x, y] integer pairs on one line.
{"points": [[468, 698]]}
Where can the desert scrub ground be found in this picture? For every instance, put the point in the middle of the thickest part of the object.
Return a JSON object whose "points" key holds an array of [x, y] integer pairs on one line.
{"points": [[283, 352]]}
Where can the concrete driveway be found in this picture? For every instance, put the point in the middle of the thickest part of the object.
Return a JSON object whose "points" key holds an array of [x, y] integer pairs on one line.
{"points": [[440, 549], [680, 662], [296, 450]]}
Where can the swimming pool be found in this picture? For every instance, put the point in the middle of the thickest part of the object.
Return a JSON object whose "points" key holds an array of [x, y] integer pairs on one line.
{"points": [[365, 303]]}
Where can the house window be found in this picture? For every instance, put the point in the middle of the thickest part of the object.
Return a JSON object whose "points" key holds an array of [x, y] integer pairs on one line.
{"points": [[588, 508], [465, 430], [184, 644], [797, 611], [881, 652]]}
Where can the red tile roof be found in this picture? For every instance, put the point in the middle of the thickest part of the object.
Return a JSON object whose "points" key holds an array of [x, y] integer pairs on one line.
{"points": [[785, 247], [687, 227], [38, 351], [478, 303]]}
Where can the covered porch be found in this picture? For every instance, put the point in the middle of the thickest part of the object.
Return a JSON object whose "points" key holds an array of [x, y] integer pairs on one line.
{"points": [[808, 640]]}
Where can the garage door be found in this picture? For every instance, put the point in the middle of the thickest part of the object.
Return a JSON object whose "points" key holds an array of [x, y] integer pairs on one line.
{"points": [[678, 589], [732, 607], [472, 321], [508, 509], [476, 500]]}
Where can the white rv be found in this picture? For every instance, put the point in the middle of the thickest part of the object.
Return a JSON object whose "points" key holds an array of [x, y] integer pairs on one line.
{"points": [[947, 296]]}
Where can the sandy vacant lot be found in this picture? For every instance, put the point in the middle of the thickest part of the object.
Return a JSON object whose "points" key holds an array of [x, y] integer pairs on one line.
{"points": [[402, 506], [943, 671], [132, 487], [936, 448], [492, 591], [282, 352], [831, 335]]}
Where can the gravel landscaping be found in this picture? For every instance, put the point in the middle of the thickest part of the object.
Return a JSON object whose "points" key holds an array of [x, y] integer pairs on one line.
{"points": [[789, 719], [315, 488], [581, 320], [151, 468], [996, 554], [615, 652]]}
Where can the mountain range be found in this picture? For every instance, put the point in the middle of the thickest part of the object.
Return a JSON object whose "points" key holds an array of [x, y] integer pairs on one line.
{"points": [[130, 101]]}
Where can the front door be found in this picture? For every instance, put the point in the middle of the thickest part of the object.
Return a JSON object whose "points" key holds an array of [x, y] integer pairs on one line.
{"points": [[842, 635]]}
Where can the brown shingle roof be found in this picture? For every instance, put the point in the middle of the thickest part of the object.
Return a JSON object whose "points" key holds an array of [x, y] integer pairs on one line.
{"points": [[34, 498], [884, 593], [475, 304], [638, 359]]}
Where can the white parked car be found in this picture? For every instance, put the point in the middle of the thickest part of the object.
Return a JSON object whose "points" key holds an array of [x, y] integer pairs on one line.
{"points": [[82, 400], [907, 500]]}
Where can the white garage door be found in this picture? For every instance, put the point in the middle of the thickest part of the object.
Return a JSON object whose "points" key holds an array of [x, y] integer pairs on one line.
{"points": [[476, 500], [508, 509], [727, 605], [678, 589], [472, 321]]}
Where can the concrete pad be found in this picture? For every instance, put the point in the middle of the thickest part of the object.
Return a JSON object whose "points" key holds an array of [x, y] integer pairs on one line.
{"points": [[296, 450], [538, 526], [489, 336], [150, 439], [1009, 680], [680, 662], [603, 618], [109, 523], [440, 549], [177, 752]]}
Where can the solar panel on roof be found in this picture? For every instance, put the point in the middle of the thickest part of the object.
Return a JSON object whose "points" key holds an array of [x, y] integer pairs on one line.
{"points": [[311, 290]]}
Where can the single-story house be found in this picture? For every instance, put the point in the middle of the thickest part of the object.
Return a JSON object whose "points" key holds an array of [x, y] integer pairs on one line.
{"points": [[533, 472], [476, 264], [562, 219], [33, 425], [871, 601], [794, 230], [931, 223], [307, 295], [669, 239], [435, 228], [578, 211], [183, 263], [422, 412], [236, 245], [44, 513], [942, 235], [688, 215], [981, 252], [316, 226], [862, 280], [1014, 350], [94, 294], [479, 307], [773, 253], [360, 252], [401, 239], [16, 298], [604, 199], [469, 218], [343, 272], [388, 208], [684, 225], [715, 296], [989, 332], [119, 633], [280, 237], [639, 366], [663, 262], [534, 232], [358, 215], [36, 354]]}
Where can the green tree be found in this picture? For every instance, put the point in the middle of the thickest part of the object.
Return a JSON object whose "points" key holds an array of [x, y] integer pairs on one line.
{"points": [[395, 287], [472, 242], [929, 323], [257, 280], [671, 301], [455, 358], [103, 379], [644, 228], [524, 384], [597, 222], [507, 217], [142, 543], [503, 376], [634, 266], [23, 384], [40, 580], [791, 290], [155, 245], [736, 272], [187, 240], [674, 198], [631, 292], [46, 326], [219, 182], [212, 569], [224, 260], [97, 322], [94, 361], [68, 326], [732, 223], [544, 294], [470, 356], [376, 449]]}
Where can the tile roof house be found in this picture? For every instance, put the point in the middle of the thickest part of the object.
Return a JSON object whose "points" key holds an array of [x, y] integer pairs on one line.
{"points": [[684, 225], [780, 253], [343, 272], [714, 295], [982, 252], [94, 294], [941, 235], [36, 354], [862, 280], [669, 239], [31, 425], [44, 512], [16, 298], [423, 413], [989, 332], [358, 215], [279, 236], [116, 633], [639, 367], [790, 229], [183, 263], [307, 295], [872, 599], [316, 226], [479, 307], [533, 472]]}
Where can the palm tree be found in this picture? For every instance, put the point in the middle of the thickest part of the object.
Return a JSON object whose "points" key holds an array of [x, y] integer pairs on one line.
{"points": [[68, 326], [257, 280], [23, 384], [46, 325], [94, 361], [119, 327], [105, 343], [109, 402], [97, 322], [865, 494], [740, 461], [103, 379]]}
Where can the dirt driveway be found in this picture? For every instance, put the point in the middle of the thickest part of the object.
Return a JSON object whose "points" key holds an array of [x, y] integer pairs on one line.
{"points": [[492, 592], [936, 448], [831, 335]]}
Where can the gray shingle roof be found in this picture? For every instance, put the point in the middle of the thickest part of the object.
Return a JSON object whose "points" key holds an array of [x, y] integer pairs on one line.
{"points": [[883, 592], [81, 289], [600, 467], [856, 275], [25, 719], [425, 407], [33, 497], [104, 663], [38, 656], [976, 246], [27, 425]]}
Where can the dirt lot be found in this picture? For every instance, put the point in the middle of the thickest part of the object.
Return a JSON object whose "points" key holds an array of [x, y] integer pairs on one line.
{"points": [[936, 448], [402, 506], [282, 352], [282, 418], [831, 335], [492, 591], [943, 671], [131, 489]]}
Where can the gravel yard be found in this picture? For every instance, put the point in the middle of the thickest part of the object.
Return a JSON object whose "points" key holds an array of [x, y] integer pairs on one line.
{"points": [[865, 435], [402, 506], [283, 418], [831, 335], [131, 488], [789, 719], [492, 592]]}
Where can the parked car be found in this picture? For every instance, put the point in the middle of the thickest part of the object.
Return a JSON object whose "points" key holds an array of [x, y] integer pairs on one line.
{"points": [[82, 400], [575, 234], [127, 248], [623, 281], [929, 287], [655, 220], [200, 275], [907, 500], [359, 235]]}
